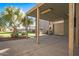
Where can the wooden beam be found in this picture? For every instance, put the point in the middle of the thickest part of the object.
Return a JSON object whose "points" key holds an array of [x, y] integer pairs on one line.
{"points": [[71, 29], [37, 26], [35, 8]]}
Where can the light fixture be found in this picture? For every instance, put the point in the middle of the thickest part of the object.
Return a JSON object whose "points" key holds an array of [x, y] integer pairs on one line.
{"points": [[56, 22], [46, 11]]}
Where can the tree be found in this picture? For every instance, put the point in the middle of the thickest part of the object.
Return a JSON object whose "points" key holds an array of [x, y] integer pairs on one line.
{"points": [[2, 22], [13, 17], [26, 22]]}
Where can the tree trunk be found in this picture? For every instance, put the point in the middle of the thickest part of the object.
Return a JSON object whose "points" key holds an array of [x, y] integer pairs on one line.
{"points": [[14, 34], [26, 32], [0, 29]]}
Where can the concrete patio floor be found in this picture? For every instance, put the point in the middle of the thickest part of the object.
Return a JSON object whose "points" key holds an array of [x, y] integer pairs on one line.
{"points": [[49, 46]]}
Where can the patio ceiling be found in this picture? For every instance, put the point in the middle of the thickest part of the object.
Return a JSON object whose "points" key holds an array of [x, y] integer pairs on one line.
{"points": [[58, 11]]}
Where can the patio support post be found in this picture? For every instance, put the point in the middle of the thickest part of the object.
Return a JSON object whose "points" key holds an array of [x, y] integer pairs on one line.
{"points": [[71, 29], [77, 24], [52, 28], [37, 27]]}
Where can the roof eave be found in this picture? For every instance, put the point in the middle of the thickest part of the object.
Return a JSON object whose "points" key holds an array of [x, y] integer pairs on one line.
{"points": [[34, 8]]}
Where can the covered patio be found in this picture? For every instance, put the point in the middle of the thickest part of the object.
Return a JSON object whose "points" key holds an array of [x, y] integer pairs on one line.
{"points": [[48, 45], [54, 12]]}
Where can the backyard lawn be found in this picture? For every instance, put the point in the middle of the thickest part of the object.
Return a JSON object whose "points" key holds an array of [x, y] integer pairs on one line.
{"points": [[8, 34]]}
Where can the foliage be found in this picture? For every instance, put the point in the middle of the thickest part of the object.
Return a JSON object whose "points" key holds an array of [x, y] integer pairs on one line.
{"points": [[26, 21], [13, 17], [2, 22]]}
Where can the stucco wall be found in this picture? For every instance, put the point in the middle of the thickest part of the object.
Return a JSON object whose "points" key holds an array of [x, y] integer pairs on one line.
{"points": [[44, 25], [59, 29], [62, 28]]}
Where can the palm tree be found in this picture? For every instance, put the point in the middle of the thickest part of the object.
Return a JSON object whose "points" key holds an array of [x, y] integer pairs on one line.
{"points": [[26, 22], [13, 17], [29, 22]]}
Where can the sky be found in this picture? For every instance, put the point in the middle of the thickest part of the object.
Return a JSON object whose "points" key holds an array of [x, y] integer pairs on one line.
{"points": [[23, 6]]}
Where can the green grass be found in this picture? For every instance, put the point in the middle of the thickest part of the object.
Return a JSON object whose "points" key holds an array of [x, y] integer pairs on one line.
{"points": [[5, 32], [8, 34]]}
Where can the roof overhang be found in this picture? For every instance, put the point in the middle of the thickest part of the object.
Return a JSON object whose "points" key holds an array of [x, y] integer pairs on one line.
{"points": [[58, 11]]}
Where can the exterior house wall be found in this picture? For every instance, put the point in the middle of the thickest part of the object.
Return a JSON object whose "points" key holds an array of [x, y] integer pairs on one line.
{"points": [[62, 28], [44, 25], [59, 29]]}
